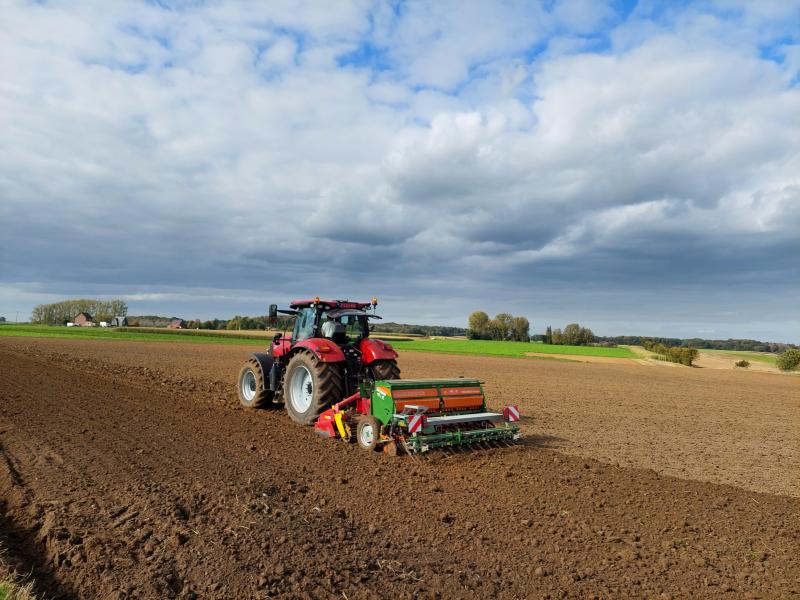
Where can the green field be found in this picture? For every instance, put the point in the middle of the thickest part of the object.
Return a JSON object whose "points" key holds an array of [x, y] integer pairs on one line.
{"points": [[517, 349], [163, 335], [759, 356], [455, 346]]}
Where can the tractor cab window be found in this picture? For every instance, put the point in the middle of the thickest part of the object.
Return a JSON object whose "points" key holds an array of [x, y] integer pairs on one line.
{"points": [[304, 325], [354, 325], [344, 326]]}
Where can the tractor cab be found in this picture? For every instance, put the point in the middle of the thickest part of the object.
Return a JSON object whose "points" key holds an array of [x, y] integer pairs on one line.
{"points": [[342, 322], [341, 326]]}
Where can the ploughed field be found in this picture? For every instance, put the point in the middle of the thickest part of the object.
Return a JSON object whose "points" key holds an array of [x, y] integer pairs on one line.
{"points": [[127, 469]]}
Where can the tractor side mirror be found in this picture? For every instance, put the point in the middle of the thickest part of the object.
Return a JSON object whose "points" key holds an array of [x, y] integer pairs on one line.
{"points": [[272, 313]]}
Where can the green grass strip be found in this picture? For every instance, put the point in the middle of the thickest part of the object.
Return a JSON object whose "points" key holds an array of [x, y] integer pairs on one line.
{"points": [[97, 333], [515, 349], [459, 346]]}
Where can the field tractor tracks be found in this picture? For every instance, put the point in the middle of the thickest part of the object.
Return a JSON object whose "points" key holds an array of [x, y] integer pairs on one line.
{"points": [[140, 477]]}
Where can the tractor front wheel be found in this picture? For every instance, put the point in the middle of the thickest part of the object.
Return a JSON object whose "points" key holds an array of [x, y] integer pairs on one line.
{"points": [[252, 392], [385, 369], [311, 386]]}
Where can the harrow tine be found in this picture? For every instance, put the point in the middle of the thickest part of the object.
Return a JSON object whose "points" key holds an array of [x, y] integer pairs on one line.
{"points": [[480, 449]]}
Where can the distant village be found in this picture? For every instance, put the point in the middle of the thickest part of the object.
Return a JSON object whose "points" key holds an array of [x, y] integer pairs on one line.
{"points": [[84, 319]]}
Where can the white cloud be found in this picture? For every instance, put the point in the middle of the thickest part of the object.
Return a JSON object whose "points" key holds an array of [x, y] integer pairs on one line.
{"points": [[281, 53], [436, 44], [225, 146]]}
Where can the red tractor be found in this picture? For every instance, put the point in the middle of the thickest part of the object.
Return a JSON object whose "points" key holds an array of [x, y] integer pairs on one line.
{"points": [[326, 358]]}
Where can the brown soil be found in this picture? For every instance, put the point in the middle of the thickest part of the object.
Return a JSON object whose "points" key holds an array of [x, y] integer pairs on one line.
{"points": [[600, 360], [128, 470], [728, 427], [710, 360]]}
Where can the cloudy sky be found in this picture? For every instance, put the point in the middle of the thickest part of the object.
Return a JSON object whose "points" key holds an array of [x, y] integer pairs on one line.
{"points": [[631, 166]]}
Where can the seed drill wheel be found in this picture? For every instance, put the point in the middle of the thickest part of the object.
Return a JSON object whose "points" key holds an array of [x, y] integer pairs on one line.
{"points": [[368, 433], [310, 387], [251, 387], [385, 369]]}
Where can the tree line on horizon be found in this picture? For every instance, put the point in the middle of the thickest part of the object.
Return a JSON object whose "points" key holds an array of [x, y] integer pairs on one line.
{"points": [[261, 322], [233, 324], [572, 335], [745, 345], [61, 313], [503, 326]]}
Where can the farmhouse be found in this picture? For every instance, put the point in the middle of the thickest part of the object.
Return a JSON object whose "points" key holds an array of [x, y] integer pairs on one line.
{"points": [[177, 324], [83, 319], [119, 322]]}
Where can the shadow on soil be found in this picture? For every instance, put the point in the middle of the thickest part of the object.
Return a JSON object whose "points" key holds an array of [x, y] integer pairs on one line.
{"points": [[24, 554]]}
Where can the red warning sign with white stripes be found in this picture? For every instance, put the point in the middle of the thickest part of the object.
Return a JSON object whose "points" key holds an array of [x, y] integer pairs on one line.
{"points": [[511, 413], [415, 423]]}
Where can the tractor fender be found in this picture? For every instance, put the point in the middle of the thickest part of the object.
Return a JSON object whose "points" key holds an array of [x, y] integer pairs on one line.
{"points": [[372, 350], [264, 361], [322, 349], [280, 347]]}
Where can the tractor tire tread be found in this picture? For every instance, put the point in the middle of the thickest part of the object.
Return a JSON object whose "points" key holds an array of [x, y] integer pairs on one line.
{"points": [[385, 369], [329, 387], [264, 397]]}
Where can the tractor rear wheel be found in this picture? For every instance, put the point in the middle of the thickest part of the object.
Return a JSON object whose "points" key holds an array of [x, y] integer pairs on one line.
{"points": [[385, 369], [310, 387], [252, 393]]}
